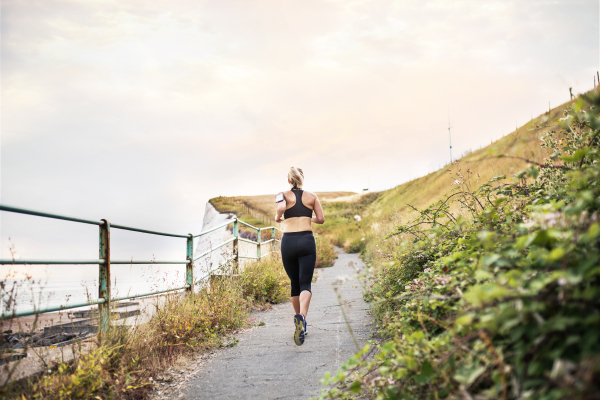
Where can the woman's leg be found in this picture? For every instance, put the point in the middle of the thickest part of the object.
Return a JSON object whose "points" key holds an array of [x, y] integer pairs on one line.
{"points": [[307, 269], [292, 269], [303, 302], [296, 304]]}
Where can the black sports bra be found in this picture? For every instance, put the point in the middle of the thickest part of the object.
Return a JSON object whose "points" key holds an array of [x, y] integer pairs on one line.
{"points": [[298, 209]]}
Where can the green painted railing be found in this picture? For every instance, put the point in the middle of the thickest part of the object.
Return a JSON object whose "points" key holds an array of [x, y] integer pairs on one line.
{"points": [[104, 260]]}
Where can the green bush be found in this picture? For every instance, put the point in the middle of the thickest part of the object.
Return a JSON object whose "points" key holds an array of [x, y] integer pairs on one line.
{"points": [[326, 254], [358, 245], [265, 281], [500, 300]]}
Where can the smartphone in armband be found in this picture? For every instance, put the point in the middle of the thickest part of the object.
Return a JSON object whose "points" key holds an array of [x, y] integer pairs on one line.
{"points": [[279, 198]]}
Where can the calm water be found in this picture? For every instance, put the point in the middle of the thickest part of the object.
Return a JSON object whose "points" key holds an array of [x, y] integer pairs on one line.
{"points": [[57, 291], [126, 280]]}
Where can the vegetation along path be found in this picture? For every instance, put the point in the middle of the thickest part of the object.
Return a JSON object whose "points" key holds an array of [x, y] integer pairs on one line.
{"points": [[266, 364]]}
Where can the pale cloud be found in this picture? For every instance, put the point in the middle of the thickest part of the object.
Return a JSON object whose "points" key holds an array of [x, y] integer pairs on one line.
{"points": [[140, 111]]}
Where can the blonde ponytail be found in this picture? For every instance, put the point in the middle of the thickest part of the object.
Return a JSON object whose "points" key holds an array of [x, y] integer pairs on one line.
{"points": [[296, 177]]}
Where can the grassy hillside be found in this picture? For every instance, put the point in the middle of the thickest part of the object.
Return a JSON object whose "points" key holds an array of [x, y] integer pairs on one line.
{"points": [[493, 291], [260, 210], [391, 207], [380, 210]]}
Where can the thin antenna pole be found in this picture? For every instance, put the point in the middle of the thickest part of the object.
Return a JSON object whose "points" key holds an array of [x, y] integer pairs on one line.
{"points": [[449, 134]]}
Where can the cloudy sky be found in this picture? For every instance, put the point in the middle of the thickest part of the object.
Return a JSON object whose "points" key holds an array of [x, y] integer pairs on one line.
{"points": [[140, 111]]}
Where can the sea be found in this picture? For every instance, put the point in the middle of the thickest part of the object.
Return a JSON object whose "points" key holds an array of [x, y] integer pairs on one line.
{"points": [[22, 295], [70, 287]]}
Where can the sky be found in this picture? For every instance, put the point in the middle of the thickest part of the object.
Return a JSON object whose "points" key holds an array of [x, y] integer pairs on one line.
{"points": [[140, 111]]}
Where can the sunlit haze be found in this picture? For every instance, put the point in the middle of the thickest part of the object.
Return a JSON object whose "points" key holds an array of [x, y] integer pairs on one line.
{"points": [[140, 111]]}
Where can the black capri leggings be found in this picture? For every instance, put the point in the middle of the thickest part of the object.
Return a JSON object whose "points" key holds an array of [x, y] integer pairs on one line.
{"points": [[299, 255]]}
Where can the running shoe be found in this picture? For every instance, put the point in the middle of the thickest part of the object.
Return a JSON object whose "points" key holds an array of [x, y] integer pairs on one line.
{"points": [[299, 332], [305, 327]]}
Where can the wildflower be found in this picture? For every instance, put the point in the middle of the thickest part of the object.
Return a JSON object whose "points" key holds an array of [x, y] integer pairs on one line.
{"points": [[427, 270], [442, 280], [562, 281]]}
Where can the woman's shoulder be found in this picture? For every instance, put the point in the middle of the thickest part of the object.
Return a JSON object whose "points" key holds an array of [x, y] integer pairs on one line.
{"points": [[288, 194], [310, 194]]}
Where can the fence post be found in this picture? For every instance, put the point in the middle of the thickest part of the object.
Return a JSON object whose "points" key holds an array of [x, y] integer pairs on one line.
{"points": [[258, 245], [189, 267], [273, 238], [104, 276], [236, 254]]}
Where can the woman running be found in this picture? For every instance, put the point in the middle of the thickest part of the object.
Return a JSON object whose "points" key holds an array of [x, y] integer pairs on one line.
{"points": [[298, 249]]}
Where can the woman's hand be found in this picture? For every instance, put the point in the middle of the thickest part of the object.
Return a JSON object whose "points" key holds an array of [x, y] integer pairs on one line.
{"points": [[278, 219]]}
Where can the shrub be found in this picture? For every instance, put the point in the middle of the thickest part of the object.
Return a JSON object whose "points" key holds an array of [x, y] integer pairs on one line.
{"points": [[326, 254], [265, 281], [357, 245], [501, 300], [90, 377]]}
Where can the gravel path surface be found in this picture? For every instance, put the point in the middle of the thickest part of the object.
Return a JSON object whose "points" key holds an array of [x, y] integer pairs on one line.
{"points": [[266, 364]]}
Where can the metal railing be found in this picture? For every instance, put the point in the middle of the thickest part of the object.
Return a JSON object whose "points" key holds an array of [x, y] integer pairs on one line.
{"points": [[104, 260]]}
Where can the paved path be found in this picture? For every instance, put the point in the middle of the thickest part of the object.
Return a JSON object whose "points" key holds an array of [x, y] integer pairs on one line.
{"points": [[266, 364]]}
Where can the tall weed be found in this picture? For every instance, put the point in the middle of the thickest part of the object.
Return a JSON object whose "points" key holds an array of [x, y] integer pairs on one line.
{"points": [[265, 281], [326, 254]]}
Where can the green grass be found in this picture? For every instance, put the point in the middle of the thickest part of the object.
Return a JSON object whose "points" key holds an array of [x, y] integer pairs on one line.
{"points": [[492, 293], [241, 210], [340, 226], [382, 210]]}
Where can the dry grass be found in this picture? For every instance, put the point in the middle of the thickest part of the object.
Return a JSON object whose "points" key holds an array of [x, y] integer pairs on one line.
{"points": [[390, 207], [124, 362], [265, 281], [260, 210], [266, 203], [326, 254]]}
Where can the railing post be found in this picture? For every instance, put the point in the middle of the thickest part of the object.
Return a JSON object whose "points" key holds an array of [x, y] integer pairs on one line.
{"points": [[273, 239], [236, 254], [104, 277], [189, 267], [258, 245]]}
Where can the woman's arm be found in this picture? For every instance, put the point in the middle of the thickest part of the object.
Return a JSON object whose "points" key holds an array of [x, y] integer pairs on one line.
{"points": [[280, 209], [319, 218]]}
